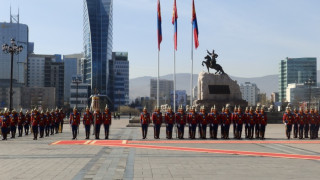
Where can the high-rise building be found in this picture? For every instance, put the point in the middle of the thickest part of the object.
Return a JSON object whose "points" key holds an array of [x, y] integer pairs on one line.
{"points": [[295, 70], [97, 42], [79, 93], [118, 88], [250, 93], [299, 93], [274, 97], [47, 71], [20, 33], [71, 67], [165, 88]]}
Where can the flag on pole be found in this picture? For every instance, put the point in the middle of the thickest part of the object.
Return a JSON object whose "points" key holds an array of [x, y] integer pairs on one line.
{"points": [[175, 24], [159, 25], [195, 26]]}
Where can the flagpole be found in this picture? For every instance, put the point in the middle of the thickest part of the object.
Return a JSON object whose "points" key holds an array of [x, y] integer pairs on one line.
{"points": [[158, 103], [191, 88], [174, 81]]}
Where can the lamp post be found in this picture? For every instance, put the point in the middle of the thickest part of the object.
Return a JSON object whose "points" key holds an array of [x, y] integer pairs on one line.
{"points": [[309, 83], [12, 49], [77, 80]]}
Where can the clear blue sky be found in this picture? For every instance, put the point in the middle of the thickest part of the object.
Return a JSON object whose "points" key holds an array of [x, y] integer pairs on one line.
{"points": [[250, 36]]}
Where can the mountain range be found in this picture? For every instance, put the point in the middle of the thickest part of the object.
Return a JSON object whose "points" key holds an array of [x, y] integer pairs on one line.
{"points": [[140, 87]]}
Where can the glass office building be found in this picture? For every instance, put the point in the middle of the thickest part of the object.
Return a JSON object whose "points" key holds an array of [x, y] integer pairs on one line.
{"points": [[296, 70], [97, 43]]}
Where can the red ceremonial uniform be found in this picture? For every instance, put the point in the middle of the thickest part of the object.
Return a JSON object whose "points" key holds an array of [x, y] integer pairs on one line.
{"points": [[35, 119], [14, 120], [87, 118], [288, 118], [226, 118], [204, 119], [193, 118], [75, 119], [169, 118], [181, 118], [263, 119], [21, 120], [98, 117], [157, 118], [145, 118], [106, 118]]}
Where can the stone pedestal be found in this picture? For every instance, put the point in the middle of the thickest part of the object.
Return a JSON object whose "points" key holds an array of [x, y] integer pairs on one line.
{"points": [[219, 90]]}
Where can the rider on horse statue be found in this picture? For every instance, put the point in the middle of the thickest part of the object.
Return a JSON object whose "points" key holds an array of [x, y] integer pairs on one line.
{"points": [[213, 57]]}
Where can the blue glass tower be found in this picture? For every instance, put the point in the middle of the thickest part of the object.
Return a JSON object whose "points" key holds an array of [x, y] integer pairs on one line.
{"points": [[97, 42]]}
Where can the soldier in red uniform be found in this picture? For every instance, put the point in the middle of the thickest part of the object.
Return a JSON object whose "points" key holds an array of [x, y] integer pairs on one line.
{"points": [[35, 118], [257, 123], [57, 120], [157, 121], [145, 121], [87, 121], [181, 120], [307, 124], [214, 118], [233, 115], [204, 119], [226, 121], [221, 122], [252, 121], [48, 120], [288, 120], [98, 122], [13, 123], [170, 121], [5, 119], [42, 123], [263, 123], [295, 123], [21, 121], [75, 122], [193, 121], [62, 116], [312, 121], [106, 117], [53, 122], [317, 123], [246, 121], [238, 119], [27, 123], [301, 119]]}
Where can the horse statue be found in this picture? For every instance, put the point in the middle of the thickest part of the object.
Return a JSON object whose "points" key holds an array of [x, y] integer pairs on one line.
{"points": [[212, 64]]}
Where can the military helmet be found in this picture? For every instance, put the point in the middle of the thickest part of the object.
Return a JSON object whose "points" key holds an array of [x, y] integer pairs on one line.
{"points": [[106, 108]]}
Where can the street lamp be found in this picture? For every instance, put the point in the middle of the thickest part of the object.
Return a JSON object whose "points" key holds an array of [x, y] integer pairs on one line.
{"points": [[12, 49], [309, 83], [77, 80]]}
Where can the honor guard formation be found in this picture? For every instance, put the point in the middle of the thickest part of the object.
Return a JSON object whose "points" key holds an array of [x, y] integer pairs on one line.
{"points": [[49, 123], [254, 122]]}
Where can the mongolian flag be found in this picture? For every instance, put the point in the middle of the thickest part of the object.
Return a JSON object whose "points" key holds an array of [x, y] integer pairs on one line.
{"points": [[159, 25], [195, 25], [175, 24]]}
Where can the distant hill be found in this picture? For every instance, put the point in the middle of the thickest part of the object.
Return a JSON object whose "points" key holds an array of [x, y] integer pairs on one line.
{"points": [[141, 86]]}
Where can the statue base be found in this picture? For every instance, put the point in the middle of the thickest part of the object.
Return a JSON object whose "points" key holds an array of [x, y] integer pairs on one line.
{"points": [[218, 90]]}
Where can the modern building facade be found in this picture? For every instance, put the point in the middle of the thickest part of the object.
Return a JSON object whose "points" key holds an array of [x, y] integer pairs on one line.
{"points": [[119, 79], [79, 94], [97, 43], [40, 97], [295, 70], [47, 71], [274, 97], [70, 69], [300, 93], [19, 32], [250, 93], [165, 88]]}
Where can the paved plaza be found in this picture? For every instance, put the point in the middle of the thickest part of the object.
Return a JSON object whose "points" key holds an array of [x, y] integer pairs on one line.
{"points": [[127, 156]]}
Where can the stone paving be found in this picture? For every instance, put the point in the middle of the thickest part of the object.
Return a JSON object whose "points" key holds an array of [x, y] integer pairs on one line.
{"points": [[24, 158]]}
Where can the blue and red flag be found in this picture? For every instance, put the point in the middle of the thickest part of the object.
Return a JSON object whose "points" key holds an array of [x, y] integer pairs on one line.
{"points": [[159, 25], [175, 24], [195, 26]]}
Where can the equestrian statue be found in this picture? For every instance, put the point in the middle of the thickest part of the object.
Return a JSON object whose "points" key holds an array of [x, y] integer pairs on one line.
{"points": [[211, 63]]}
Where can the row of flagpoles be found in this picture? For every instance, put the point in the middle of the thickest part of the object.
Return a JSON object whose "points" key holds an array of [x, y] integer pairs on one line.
{"points": [[194, 35]]}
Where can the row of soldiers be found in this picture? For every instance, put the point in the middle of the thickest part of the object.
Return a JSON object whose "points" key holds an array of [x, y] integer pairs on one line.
{"points": [[52, 122], [304, 123], [43, 122], [253, 121], [89, 119]]}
